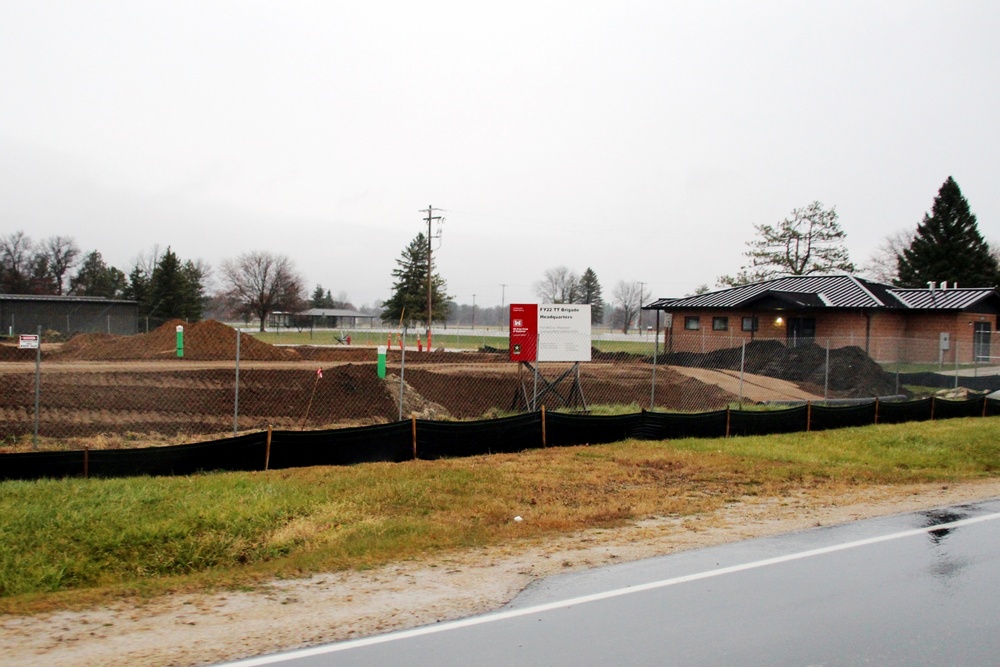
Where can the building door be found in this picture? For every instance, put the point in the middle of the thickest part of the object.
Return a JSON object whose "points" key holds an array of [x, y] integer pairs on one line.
{"points": [[981, 341], [801, 331]]}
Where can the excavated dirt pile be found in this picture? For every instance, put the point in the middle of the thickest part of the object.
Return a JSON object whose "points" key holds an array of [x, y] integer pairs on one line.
{"points": [[203, 341], [852, 373], [14, 353]]}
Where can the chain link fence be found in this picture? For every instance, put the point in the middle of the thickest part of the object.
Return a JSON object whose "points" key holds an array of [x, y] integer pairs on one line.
{"points": [[119, 391]]}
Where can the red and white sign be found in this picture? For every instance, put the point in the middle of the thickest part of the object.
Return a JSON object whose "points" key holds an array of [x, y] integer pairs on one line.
{"points": [[550, 332], [27, 341], [523, 331]]}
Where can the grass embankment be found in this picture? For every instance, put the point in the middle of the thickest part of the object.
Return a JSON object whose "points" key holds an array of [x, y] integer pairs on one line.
{"points": [[75, 542]]}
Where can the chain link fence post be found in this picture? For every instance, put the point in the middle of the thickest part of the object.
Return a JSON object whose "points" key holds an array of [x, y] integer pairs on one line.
{"points": [[656, 347], [826, 373], [402, 368], [38, 385], [236, 391], [956, 363], [743, 365]]}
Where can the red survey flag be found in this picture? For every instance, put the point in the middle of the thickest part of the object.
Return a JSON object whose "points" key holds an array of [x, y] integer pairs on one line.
{"points": [[319, 373]]}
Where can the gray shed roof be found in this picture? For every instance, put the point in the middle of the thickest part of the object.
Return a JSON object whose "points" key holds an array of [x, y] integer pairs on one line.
{"points": [[333, 312], [53, 298]]}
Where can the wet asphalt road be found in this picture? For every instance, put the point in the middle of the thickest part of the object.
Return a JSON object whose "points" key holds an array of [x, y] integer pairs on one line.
{"points": [[914, 589]]}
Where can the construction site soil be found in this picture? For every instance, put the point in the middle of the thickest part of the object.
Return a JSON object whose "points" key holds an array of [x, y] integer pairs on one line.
{"points": [[98, 384]]}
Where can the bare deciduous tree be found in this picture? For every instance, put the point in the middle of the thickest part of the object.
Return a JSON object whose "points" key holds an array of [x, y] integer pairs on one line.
{"points": [[883, 264], [260, 283], [628, 300], [61, 254], [16, 256], [560, 285]]}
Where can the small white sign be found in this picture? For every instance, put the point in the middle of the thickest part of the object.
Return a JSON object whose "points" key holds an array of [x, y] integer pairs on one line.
{"points": [[28, 341], [564, 332]]}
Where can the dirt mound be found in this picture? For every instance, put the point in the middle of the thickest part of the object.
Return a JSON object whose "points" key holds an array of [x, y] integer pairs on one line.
{"points": [[15, 353], [203, 341], [852, 372], [76, 345]]}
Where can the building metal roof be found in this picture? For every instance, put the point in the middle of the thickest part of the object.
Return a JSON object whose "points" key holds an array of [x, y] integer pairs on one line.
{"points": [[61, 299], [333, 312], [943, 299], [827, 291]]}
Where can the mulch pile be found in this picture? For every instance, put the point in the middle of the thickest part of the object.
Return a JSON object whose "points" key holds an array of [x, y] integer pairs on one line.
{"points": [[203, 341]]}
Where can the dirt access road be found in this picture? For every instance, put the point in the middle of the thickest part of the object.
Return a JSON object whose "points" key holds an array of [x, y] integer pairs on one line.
{"points": [[186, 630]]}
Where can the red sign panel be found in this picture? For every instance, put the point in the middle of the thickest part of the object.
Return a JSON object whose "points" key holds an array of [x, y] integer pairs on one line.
{"points": [[523, 331]]}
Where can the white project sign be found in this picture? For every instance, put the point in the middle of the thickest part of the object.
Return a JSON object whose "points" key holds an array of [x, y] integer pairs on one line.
{"points": [[564, 332]]}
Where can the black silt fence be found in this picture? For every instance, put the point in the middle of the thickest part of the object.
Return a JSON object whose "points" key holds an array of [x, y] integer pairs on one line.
{"points": [[436, 439], [673, 426], [824, 418], [406, 440], [954, 409], [768, 422], [906, 411], [569, 429], [245, 452], [346, 446]]}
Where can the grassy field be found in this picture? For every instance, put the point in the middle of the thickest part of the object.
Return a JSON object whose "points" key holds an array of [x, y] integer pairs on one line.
{"points": [[452, 341], [73, 542]]}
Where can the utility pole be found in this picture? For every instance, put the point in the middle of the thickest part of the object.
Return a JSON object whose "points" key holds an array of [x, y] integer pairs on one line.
{"points": [[503, 315], [430, 270], [473, 312]]}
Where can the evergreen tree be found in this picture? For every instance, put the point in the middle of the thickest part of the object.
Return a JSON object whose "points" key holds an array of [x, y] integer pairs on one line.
{"points": [[137, 289], [409, 291], [948, 246], [589, 291], [322, 299], [167, 288], [95, 278], [174, 290], [194, 297]]}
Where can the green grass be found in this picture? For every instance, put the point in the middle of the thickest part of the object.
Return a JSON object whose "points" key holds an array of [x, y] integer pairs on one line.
{"points": [[74, 542], [368, 338], [465, 341]]}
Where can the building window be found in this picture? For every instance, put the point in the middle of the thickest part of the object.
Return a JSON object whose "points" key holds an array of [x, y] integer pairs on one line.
{"points": [[720, 324], [749, 324], [692, 323]]}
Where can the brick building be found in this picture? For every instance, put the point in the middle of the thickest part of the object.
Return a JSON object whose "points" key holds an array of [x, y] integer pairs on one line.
{"points": [[939, 323]]}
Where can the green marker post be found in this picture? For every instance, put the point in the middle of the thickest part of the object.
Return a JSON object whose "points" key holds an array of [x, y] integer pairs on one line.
{"points": [[381, 361], [180, 341]]}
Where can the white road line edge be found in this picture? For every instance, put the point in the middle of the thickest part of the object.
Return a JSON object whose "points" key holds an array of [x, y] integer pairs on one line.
{"points": [[584, 599]]}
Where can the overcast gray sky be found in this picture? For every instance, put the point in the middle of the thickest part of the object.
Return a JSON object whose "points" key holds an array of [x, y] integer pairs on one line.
{"points": [[642, 139]]}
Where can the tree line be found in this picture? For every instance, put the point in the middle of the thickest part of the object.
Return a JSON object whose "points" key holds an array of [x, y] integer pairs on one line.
{"points": [[945, 246], [164, 285]]}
